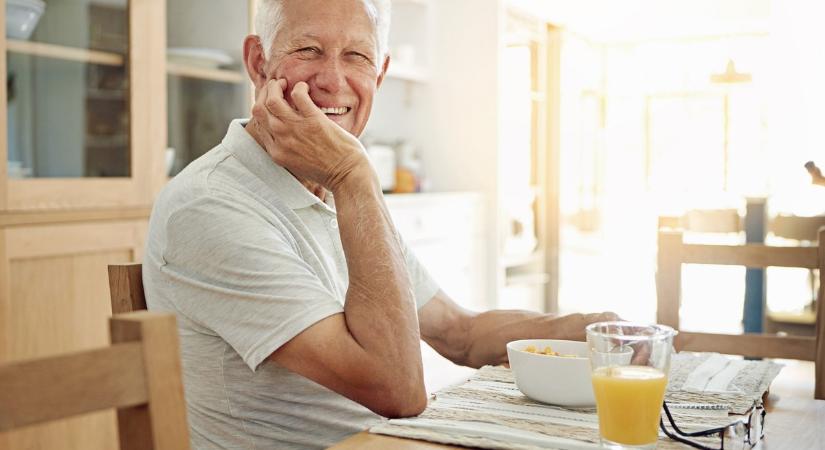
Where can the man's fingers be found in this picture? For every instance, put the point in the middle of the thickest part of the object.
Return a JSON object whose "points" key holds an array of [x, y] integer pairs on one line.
{"points": [[276, 104], [300, 96]]}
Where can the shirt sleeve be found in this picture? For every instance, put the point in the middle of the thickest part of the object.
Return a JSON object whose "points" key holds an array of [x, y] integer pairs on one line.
{"points": [[236, 274]]}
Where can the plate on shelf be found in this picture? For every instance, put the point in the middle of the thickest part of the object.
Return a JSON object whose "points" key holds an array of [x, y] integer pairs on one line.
{"points": [[208, 58]]}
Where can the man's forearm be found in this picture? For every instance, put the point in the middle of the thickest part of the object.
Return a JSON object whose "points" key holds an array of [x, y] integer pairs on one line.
{"points": [[487, 334], [380, 308]]}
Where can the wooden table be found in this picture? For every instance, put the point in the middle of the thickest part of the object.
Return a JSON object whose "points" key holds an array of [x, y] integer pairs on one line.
{"points": [[795, 420]]}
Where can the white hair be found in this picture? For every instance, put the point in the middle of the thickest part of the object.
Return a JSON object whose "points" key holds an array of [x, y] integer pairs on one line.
{"points": [[269, 18]]}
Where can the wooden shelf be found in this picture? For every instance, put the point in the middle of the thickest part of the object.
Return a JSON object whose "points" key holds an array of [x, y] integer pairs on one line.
{"points": [[105, 141], [802, 317], [220, 75], [65, 53], [22, 218], [106, 94]]}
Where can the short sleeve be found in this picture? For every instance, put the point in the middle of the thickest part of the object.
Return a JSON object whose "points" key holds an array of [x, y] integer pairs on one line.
{"points": [[235, 273]]}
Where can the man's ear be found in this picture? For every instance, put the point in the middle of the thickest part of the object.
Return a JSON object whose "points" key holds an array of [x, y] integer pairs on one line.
{"points": [[384, 68], [254, 60]]}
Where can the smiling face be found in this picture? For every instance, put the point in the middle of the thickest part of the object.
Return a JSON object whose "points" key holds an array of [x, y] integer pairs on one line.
{"points": [[332, 46]]}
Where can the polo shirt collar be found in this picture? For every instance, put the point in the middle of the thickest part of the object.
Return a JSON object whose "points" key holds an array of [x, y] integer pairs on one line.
{"points": [[257, 160]]}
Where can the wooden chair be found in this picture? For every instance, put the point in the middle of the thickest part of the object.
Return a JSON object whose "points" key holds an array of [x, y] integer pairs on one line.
{"points": [[139, 375], [126, 288], [705, 221], [797, 227], [713, 221], [805, 229], [673, 253]]}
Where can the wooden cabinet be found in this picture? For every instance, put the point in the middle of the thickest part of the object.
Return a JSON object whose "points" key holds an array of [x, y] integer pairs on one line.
{"points": [[83, 139], [54, 299], [75, 135], [91, 106]]}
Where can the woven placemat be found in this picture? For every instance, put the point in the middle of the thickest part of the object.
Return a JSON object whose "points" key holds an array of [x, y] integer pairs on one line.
{"points": [[488, 411]]}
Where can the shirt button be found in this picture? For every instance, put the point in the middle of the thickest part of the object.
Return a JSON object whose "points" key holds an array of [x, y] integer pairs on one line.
{"points": [[334, 224]]}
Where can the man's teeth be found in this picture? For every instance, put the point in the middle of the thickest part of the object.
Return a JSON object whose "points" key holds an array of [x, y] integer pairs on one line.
{"points": [[341, 110]]}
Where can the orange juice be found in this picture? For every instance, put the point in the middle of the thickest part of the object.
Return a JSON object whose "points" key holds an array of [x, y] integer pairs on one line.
{"points": [[628, 400]]}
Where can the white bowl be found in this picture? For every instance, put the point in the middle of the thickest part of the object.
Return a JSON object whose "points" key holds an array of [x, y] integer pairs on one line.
{"points": [[559, 380], [22, 17]]}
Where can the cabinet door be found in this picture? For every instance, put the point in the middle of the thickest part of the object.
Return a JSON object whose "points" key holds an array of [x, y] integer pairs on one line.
{"points": [[207, 83], [81, 128], [54, 298]]}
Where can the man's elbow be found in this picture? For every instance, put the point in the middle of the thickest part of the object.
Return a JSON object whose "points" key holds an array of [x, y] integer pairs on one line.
{"points": [[403, 407], [397, 402]]}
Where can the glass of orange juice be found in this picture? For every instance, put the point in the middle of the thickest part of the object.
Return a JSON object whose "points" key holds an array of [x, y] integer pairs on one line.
{"points": [[630, 363]]}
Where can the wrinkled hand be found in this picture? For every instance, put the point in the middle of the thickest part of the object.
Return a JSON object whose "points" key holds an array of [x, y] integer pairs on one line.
{"points": [[573, 325], [303, 140]]}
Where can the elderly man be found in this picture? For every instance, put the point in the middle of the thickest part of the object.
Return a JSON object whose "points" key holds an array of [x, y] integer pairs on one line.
{"points": [[300, 317]]}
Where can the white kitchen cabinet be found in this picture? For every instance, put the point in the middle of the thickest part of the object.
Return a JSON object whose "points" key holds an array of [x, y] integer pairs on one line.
{"points": [[445, 232]]}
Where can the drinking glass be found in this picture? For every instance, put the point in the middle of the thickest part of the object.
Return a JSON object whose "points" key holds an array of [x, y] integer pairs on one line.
{"points": [[629, 368]]}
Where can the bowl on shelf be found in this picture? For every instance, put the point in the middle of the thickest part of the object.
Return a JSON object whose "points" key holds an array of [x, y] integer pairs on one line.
{"points": [[22, 17], [562, 379]]}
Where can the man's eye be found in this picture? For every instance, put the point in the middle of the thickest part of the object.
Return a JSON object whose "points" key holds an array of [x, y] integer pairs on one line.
{"points": [[360, 56], [309, 51]]}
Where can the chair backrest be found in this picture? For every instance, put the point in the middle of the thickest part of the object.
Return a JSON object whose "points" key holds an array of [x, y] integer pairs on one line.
{"points": [[713, 221], [797, 227], [139, 375], [673, 252], [126, 288]]}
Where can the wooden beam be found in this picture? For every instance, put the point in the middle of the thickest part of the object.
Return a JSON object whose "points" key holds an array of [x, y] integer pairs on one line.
{"points": [[126, 288], [669, 278], [753, 345], [550, 166], [167, 408], [49, 389], [203, 73], [147, 106], [751, 255], [819, 359], [65, 53], [24, 218]]}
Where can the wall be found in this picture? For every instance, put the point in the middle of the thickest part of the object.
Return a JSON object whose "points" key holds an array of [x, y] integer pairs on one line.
{"points": [[454, 118], [466, 104]]}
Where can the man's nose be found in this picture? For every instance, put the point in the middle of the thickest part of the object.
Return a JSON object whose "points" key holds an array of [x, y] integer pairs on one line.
{"points": [[331, 76]]}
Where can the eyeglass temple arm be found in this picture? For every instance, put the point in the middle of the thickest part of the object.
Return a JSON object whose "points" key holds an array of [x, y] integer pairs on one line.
{"points": [[683, 433], [678, 438]]}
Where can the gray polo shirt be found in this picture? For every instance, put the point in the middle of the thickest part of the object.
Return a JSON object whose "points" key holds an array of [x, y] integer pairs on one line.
{"points": [[247, 258]]}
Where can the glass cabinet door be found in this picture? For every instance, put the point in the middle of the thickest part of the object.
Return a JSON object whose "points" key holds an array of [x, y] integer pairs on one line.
{"points": [[85, 100], [207, 85], [67, 82]]}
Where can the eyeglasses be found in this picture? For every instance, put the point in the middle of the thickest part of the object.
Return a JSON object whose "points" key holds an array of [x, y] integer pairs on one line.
{"points": [[742, 434]]}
